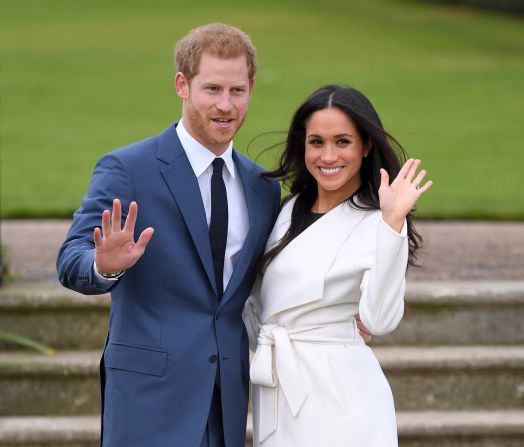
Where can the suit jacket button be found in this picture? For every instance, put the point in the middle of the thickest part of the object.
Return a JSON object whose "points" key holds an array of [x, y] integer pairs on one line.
{"points": [[213, 358]]}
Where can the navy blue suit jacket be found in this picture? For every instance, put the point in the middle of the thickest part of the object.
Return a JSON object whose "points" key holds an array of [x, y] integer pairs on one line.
{"points": [[166, 325]]}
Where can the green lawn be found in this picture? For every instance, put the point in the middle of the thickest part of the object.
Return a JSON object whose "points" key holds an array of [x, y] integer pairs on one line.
{"points": [[79, 78]]}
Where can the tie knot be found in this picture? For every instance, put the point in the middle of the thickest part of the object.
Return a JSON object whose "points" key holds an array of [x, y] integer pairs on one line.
{"points": [[218, 164]]}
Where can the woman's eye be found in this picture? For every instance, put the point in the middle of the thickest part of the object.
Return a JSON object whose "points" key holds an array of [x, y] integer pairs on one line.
{"points": [[315, 142], [343, 141]]}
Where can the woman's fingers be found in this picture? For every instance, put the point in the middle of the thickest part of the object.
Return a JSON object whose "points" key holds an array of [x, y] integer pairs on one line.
{"points": [[426, 186], [405, 169], [412, 170], [409, 173], [418, 182], [384, 178], [419, 178]]}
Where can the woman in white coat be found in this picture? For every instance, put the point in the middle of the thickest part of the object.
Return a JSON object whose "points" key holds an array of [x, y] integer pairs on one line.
{"points": [[340, 248]]}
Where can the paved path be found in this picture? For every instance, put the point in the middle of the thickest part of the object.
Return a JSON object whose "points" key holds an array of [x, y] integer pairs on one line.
{"points": [[454, 250]]}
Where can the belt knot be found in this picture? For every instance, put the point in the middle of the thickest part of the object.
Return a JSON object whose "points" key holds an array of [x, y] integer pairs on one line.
{"points": [[285, 371]]}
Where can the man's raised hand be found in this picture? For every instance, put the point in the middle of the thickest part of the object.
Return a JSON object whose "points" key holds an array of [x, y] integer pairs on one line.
{"points": [[115, 247]]}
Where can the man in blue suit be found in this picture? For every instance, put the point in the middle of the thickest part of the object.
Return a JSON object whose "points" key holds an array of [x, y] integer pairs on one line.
{"points": [[174, 371]]}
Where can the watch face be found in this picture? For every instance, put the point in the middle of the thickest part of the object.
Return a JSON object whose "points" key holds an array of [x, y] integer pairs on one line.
{"points": [[112, 275]]}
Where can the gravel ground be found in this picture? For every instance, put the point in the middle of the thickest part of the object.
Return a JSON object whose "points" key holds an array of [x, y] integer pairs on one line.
{"points": [[454, 250]]}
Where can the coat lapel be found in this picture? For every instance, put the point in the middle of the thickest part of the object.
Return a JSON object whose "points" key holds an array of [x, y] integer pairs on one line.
{"points": [[251, 182], [297, 275], [183, 184]]}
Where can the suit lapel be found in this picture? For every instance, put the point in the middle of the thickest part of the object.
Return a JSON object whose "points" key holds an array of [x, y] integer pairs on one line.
{"points": [[251, 182], [183, 184], [296, 276]]}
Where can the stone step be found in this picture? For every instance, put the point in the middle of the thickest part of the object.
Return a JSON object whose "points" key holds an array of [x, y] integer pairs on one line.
{"points": [[460, 313], [432, 378], [51, 431], [454, 377], [66, 383], [53, 315], [416, 429], [461, 428]]}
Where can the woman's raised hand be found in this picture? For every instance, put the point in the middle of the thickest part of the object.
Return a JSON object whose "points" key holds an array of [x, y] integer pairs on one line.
{"points": [[398, 198], [115, 247]]}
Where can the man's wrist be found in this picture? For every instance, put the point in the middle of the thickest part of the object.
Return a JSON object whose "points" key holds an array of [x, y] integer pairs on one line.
{"points": [[108, 275], [112, 275]]}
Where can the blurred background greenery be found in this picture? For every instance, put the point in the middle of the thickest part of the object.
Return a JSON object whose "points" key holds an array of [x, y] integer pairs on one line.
{"points": [[80, 78]]}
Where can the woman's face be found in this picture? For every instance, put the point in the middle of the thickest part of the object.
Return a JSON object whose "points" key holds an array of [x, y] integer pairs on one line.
{"points": [[333, 156]]}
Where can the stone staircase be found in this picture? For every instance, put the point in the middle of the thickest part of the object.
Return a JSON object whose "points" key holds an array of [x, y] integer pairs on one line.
{"points": [[455, 364], [51, 400]]}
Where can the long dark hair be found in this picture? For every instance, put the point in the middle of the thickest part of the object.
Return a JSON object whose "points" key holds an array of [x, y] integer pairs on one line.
{"points": [[385, 152]]}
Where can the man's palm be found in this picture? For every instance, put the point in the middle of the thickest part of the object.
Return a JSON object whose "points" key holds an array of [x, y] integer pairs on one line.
{"points": [[115, 248]]}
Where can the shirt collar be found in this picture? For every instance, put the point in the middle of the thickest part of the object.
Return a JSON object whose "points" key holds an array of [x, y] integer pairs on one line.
{"points": [[201, 157]]}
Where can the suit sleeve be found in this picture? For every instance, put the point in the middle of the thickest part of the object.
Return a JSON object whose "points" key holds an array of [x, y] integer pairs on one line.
{"points": [[251, 313], [75, 259], [383, 285]]}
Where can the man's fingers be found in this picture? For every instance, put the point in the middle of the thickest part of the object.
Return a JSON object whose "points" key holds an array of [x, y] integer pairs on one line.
{"points": [[364, 332], [144, 239], [97, 236], [365, 336], [362, 328], [131, 217], [116, 217], [106, 224]]}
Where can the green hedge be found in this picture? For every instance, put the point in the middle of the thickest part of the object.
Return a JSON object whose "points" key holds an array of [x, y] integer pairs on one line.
{"points": [[82, 78]]}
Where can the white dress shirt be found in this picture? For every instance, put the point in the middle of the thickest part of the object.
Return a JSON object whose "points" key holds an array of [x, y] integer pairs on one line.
{"points": [[201, 159]]}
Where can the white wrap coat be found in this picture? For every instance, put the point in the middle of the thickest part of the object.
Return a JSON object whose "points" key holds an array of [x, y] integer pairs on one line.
{"points": [[315, 382]]}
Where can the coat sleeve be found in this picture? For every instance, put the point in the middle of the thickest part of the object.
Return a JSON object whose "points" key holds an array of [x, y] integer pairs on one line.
{"points": [[383, 285], [251, 316], [75, 259]]}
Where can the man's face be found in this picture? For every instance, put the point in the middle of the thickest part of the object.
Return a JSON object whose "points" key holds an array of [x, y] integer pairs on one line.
{"points": [[215, 100]]}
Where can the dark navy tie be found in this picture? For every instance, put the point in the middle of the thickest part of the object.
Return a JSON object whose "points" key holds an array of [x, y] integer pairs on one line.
{"points": [[218, 224]]}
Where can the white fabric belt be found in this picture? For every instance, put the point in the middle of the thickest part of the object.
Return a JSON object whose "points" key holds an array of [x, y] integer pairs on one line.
{"points": [[285, 371]]}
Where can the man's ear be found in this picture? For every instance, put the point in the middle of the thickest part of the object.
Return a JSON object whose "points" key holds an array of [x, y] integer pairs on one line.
{"points": [[181, 86], [251, 85]]}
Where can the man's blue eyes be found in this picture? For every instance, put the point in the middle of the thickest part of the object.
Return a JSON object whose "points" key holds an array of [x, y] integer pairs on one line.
{"points": [[217, 89]]}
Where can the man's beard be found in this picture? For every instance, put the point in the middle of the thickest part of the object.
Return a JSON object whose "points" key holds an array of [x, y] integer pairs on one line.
{"points": [[206, 133]]}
